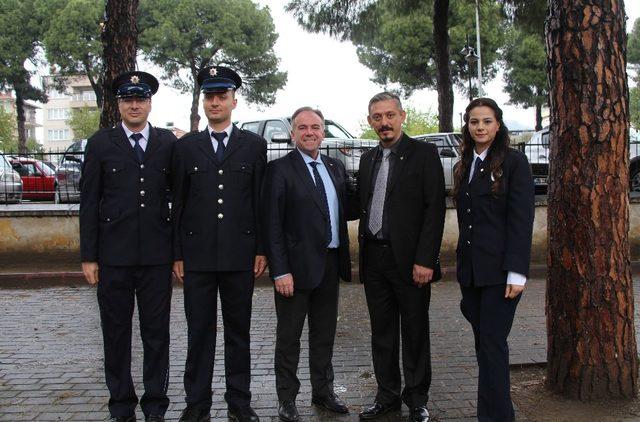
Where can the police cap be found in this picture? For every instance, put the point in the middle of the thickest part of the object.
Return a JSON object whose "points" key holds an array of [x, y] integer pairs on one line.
{"points": [[134, 84], [218, 79]]}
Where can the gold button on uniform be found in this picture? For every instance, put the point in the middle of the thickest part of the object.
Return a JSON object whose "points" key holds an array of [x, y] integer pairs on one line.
{"points": [[220, 171], [220, 187], [220, 201], [220, 216]]}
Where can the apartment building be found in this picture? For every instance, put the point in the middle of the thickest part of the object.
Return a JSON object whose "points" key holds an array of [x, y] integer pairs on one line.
{"points": [[8, 103], [58, 135]]}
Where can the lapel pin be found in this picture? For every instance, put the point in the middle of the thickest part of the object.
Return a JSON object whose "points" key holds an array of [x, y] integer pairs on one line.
{"points": [[402, 157], [481, 170]]}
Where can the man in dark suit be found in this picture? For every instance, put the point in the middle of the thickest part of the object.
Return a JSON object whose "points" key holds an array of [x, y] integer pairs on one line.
{"points": [[402, 212], [306, 212], [125, 242], [217, 178]]}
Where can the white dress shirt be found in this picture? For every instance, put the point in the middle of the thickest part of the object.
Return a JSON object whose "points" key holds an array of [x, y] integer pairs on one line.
{"points": [[214, 142], [145, 136]]}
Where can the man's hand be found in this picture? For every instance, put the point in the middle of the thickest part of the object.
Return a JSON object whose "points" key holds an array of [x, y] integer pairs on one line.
{"points": [[421, 275], [90, 271], [178, 270], [284, 285], [259, 265], [512, 291]]}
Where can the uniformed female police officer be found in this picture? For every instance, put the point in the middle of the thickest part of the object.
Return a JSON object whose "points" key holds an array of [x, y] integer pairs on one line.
{"points": [[494, 196]]}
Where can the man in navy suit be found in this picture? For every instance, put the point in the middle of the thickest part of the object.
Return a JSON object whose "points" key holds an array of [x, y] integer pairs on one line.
{"points": [[306, 212], [125, 242], [217, 246]]}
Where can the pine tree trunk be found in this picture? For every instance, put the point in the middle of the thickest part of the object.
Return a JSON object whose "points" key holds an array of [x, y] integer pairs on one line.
{"points": [[443, 76], [120, 43], [20, 117], [538, 117], [590, 313], [194, 116]]}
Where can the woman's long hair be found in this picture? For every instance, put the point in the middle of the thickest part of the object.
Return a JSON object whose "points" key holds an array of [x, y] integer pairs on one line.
{"points": [[497, 151]]}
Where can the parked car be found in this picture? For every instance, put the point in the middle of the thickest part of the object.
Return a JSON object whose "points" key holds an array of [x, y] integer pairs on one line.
{"points": [[338, 142], [537, 152], [68, 173], [449, 149], [38, 179], [10, 182]]}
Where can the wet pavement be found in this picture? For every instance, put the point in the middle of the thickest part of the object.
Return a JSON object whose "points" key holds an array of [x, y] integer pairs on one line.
{"points": [[51, 355]]}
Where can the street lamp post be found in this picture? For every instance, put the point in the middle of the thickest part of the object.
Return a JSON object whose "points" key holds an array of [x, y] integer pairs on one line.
{"points": [[470, 56]]}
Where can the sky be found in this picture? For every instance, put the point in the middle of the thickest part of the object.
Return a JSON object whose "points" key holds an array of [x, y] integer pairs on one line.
{"points": [[325, 73]]}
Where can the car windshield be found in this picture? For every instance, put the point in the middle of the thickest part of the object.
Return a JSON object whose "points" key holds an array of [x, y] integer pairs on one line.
{"points": [[4, 164], [456, 139], [48, 171], [332, 130]]}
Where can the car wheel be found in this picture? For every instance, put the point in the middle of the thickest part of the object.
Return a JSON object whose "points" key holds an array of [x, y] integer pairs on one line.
{"points": [[634, 179]]}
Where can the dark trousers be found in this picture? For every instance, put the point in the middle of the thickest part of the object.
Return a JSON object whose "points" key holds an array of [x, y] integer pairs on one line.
{"points": [[321, 304], [397, 307], [118, 289], [200, 303], [491, 316]]}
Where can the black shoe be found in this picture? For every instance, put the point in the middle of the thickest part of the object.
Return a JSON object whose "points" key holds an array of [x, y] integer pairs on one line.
{"points": [[123, 418], [194, 415], [154, 418], [242, 414], [419, 414], [331, 402], [378, 409], [288, 412]]}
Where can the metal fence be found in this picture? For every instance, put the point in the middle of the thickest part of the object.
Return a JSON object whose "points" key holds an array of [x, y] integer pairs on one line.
{"points": [[54, 177]]}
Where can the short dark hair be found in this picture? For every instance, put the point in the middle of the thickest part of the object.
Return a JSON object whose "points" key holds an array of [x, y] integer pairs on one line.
{"points": [[306, 108], [385, 96]]}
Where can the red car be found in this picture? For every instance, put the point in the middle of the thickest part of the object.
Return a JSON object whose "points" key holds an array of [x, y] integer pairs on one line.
{"points": [[38, 179]]}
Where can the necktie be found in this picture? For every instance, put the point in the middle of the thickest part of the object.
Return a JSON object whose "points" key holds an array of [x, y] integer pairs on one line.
{"points": [[136, 147], [323, 197], [219, 136], [379, 194], [476, 170]]}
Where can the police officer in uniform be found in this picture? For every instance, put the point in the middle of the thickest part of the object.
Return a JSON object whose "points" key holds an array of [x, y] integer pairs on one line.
{"points": [[125, 241], [217, 246]]}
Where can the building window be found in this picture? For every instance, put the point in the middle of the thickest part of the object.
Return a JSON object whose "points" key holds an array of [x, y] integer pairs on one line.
{"points": [[57, 95], [58, 114], [58, 134]]}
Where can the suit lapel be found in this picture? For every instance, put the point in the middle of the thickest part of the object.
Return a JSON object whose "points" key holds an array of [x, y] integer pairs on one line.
{"points": [[233, 144], [119, 137], [301, 168], [152, 144], [404, 151], [204, 143]]}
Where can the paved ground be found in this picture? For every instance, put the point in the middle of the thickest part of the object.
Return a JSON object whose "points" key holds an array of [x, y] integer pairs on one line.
{"points": [[51, 355]]}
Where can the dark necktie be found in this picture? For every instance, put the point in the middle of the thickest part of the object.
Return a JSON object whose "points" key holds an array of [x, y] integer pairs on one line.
{"points": [[476, 169], [136, 147], [323, 196], [219, 136]]}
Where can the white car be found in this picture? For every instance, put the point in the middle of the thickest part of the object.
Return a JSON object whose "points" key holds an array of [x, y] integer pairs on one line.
{"points": [[10, 182]]}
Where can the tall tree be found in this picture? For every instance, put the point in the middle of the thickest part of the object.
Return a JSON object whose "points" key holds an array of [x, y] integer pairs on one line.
{"points": [[20, 29], [184, 37], [590, 312], [525, 75], [73, 41], [410, 42], [84, 122], [120, 44]]}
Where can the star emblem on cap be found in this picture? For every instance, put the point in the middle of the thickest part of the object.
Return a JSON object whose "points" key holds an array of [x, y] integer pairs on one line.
{"points": [[213, 71], [135, 79]]}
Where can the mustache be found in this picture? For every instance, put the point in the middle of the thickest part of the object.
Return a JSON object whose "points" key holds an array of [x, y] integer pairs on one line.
{"points": [[381, 128]]}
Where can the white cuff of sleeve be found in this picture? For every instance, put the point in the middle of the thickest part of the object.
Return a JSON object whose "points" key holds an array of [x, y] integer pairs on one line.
{"points": [[278, 277], [516, 279]]}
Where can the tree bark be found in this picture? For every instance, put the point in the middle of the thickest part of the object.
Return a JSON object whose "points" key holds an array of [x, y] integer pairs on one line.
{"points": [[590, 313], [538, 117], [443, 76], [20, 117], [194, 117], [120, 44]]}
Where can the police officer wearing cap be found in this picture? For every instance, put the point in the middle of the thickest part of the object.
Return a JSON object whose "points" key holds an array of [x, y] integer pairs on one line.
{"points": [[217, 177], [125, 242]]}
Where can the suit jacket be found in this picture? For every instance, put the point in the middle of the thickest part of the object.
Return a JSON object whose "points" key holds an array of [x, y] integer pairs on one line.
{"points": [[495, 230], [295, 220], [216, 205], [414, 205], [124, 205]]}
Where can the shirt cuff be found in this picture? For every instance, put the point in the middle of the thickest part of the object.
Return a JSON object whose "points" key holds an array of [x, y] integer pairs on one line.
{"points": [[516, 279], [278, 277]]}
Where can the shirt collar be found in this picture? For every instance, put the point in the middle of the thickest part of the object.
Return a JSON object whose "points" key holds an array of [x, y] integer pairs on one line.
{"points": [[482, 156], [144, 132], [308, 159], [228, 129]]}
